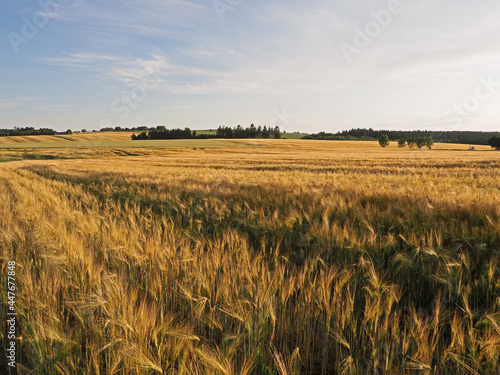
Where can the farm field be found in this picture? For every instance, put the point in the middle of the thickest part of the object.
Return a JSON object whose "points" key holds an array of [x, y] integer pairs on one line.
{"points": [[98, 139], [279, 257], [75, 137], [123, 144]]}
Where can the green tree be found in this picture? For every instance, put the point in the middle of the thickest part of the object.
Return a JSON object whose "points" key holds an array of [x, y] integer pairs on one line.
{"points": [[384, 140], [401, 143], [420, 141], [265, 132], [252, 131], [277, 133], [69, 132], [429, 142], [495, 142]]}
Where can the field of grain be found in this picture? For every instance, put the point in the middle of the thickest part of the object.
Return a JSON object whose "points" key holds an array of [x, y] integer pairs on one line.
{"points": [[99, 143], [280, 257], [102, 139], [75, 137]]}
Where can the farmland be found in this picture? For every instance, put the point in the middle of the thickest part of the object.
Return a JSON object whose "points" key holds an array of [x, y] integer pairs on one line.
{"points": [[110, 141], [252, 256]]}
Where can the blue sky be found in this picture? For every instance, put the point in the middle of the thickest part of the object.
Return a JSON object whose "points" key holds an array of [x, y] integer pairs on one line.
{"points": [[302, 65]]}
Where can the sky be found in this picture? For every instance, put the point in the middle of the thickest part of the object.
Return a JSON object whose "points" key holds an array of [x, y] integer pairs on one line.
{"points": [[304, 66]]}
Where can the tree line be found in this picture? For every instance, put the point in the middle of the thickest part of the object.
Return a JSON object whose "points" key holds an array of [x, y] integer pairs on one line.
{"points": [[462, 137], [411, 143], [238, 132], [16, 131], [420, 142], [26, 131], [412, 138]]}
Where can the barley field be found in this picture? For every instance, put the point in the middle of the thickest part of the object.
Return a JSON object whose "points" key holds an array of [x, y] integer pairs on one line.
{"points": [[280, 257]]}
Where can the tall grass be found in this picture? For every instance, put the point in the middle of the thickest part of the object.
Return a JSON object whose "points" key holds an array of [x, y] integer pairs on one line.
{"points": [[295, 260]]}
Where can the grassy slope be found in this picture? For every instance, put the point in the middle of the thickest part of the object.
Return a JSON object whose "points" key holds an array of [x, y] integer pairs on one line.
{"points": [[293, 135]]}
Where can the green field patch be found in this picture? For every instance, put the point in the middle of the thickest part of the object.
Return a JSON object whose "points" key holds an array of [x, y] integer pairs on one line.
{"points": [[292, 135], [31, 156], [8, 159]]}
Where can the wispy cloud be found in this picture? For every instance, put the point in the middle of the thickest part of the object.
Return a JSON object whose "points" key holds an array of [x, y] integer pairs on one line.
{"points": [[126, 69], [31, 104], [131, 17], [175, 78]]}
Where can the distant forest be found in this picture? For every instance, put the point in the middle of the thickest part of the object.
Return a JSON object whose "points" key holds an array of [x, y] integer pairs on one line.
{"points": [[463, 137], [238, 132], [161, 132], [26, 131]]}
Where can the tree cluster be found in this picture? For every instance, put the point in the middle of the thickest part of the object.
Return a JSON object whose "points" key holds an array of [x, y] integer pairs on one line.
{"points": [[120, 129], [461, 137], [412, 142], [416, 142], [161, 132], [323, 136], [495, 142], [26, 131], [250, 132]]}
